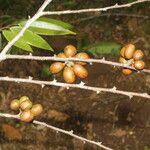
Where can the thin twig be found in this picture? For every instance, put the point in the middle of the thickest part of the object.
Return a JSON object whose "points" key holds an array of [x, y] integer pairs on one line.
{"points": [[70, 133], [41, 13], [116, 6], [53, 58], [110, 14], [80, 86], [26, 26], [125, 15]]}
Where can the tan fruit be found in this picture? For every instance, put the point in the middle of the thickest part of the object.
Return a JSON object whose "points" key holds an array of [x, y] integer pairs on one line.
{"points": [[80, 71], [36, 109], [27, 104], [126, 71], [82, 55], [122, 51], [70, 51], [26, 116], [15, 104], [61, 55], [138, 54], [122, 60], [139, 64], [129, 51], [23, 98], [68, 75], [56, 67]]}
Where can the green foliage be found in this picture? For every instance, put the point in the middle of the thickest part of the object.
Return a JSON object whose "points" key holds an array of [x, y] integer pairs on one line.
{"points": [[18, 125], [103, 48], [31, 37], [46, 26], [9, 35], [69, 4], [45, 71], [82, 43], [6, 20], [5, 3]]}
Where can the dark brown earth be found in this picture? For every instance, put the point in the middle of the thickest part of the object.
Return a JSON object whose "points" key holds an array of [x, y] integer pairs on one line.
{"points": [[115, 120]]}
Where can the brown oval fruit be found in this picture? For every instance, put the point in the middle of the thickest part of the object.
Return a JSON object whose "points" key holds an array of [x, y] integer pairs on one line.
{"points": [[68, 75], [126, 71], [26, 116], [36, 109], [80, 71], [82, 55], [23, 98], [122, 51], [70, 51], [15, 104], [56, 67], [27, 104], [138, 54], [122, 60], [129, 51], [139, 64], [61, 55]]}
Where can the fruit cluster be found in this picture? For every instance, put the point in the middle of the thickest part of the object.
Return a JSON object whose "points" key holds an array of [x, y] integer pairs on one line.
{"points": [[28, 110], [71, 69], [131, 57]]}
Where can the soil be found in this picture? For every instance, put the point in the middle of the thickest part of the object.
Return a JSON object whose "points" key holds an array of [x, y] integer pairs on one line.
{"points": [[115, 120]]}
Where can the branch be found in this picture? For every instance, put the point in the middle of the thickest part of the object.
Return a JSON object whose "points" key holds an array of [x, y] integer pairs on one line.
{"points": [[53, 58], [41, 13], [70, 133], [110, 14], [26, 26], [116, 6], [80, 86]]}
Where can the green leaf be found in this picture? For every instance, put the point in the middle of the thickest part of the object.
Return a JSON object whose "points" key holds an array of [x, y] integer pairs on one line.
{"points": [[6, 20], [103, 48], [70, 4], [57, 22], [83, 42], [45, 71], [32, 38], [46, 26], [9, 35]]}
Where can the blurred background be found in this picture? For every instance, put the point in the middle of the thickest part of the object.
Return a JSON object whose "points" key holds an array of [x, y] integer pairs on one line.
{"points": [[115, 120]]}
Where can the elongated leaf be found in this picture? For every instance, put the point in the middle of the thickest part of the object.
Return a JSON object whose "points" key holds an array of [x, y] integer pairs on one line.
{"points": [[57, 22], [32, 38], [46, 26], [9, 35], [103, 48]]}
